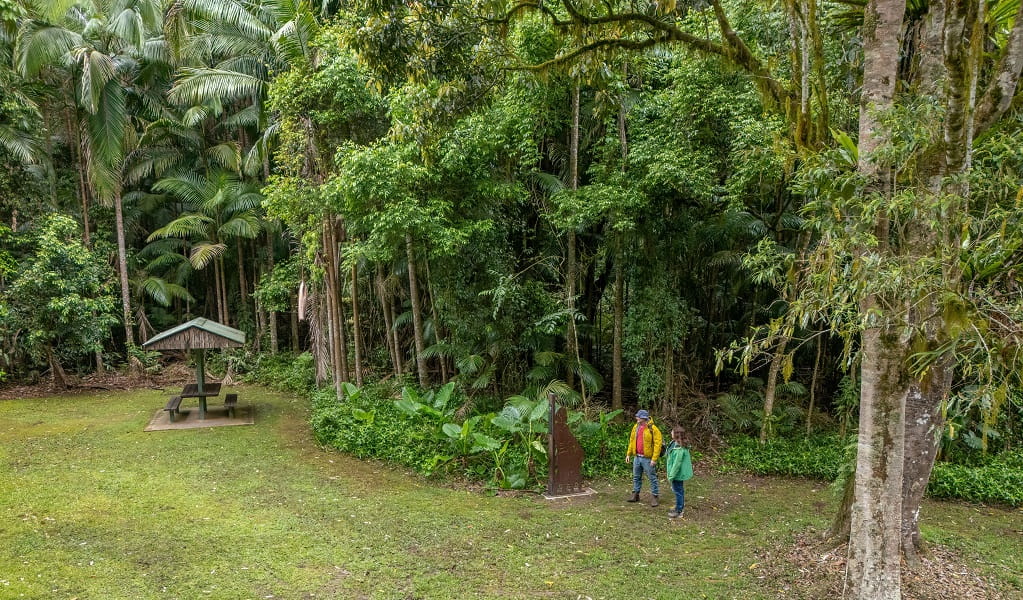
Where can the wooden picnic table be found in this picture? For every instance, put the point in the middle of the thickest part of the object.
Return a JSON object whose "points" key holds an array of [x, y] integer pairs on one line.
{"points": [[192, 391]]}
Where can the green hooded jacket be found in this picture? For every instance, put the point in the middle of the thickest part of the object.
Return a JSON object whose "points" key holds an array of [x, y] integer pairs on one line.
{"points": [[680, 464]]}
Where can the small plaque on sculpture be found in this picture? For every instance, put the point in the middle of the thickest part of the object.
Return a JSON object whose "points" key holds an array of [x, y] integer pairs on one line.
{"points": [[565, 457]]}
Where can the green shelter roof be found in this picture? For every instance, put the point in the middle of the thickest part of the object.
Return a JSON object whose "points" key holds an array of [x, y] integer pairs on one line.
{"points": [[196, 334]]}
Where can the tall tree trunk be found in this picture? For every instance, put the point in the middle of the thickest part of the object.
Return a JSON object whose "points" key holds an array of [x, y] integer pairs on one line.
{"points": [[619, 325], [272, 326], [442, 359], [122, 269], [875, 540], [772, 386], [417, 314], [820, 84], [243, 288], [571, 275], [295, 344], [873, 565], [335, 317], [316, 315], [218, 286], [398, 346], [75, 142], [813, 387], [225, 298], [619, 272], [923, 435], [356, 327], [390, 335], [56, 370]]}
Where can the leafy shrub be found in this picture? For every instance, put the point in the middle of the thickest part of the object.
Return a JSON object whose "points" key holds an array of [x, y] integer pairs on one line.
{"points": [[419, 431], [286, 372], [367, 424], [998, 479], [818, 457]]}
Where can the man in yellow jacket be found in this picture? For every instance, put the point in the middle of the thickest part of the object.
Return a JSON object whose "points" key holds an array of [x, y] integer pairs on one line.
{"points": [[644, 450]]}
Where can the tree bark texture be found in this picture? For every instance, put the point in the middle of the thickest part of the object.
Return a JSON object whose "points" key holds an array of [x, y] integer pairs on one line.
{"points": [[873, 566], [356, 327], [295, 343], [417, 311], [772, 387], [441, 359], [122, 270], [385, 307], [319, 342], [572, 338], [923, 435], [243, 286], [619, 325], [335, 314]]}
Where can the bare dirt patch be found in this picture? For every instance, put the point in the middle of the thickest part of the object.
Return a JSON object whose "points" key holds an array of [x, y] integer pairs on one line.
{"points": [[172, 374], [813, 568]]}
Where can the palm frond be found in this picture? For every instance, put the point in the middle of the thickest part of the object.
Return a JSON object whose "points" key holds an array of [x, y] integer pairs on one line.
{"points": [[203, 254], [189, 187], [292, 40], [589, 375], [41, 44], [227, 155], [246, 117], [97, 71], [470, 365], [164, 292], [198, 84], [127, 25], [244, 225], [106, 129], [185, 226], [20, 144], [550, 184], [53, 10], [228, 11]]}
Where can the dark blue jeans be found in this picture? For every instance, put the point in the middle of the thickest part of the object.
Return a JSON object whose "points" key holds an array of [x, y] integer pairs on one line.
{"points": [[641, 465], [680, 494]]}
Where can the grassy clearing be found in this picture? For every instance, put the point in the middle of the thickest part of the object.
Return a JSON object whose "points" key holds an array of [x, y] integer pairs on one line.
{"points": [[93, 507]]}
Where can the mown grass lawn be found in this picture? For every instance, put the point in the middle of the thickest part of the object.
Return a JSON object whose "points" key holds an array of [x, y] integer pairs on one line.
{"points": [[92, 507]]}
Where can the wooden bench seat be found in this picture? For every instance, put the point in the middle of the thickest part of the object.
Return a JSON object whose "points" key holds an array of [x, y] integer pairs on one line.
{"points": [[172, 407], [230, 401]]}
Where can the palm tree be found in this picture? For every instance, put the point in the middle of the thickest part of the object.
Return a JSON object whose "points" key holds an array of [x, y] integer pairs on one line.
{"points": [[231, 50], [219, 208], [160, 276], [106, 45]]}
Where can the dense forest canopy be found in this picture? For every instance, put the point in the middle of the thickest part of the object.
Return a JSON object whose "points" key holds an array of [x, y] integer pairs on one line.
{"points": [[747, 216]]}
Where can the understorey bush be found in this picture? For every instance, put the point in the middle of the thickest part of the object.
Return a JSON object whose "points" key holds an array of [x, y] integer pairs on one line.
{"points": [[817, 457], [423, 431], [995, 479], [998, 481], [285, 372]]}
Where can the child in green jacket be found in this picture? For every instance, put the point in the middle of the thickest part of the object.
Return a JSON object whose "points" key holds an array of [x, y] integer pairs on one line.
{"points": [[680, 469]]}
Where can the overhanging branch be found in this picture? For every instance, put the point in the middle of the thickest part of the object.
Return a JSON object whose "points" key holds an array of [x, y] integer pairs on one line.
{"points": [[1000, 91]]}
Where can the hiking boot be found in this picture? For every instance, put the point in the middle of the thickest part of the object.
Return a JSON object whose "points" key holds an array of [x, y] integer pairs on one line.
{"points": [[654, 502], [634, 497]]}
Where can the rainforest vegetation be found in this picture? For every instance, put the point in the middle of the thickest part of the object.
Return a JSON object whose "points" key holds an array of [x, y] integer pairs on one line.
{"points": [[776, 219]]}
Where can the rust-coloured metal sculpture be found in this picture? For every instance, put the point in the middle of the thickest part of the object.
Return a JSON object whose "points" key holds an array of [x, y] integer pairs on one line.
{"points": [[565, 456]]}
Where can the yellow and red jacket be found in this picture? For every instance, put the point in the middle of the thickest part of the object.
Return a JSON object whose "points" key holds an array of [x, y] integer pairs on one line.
{"points": [[652, 441]]}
